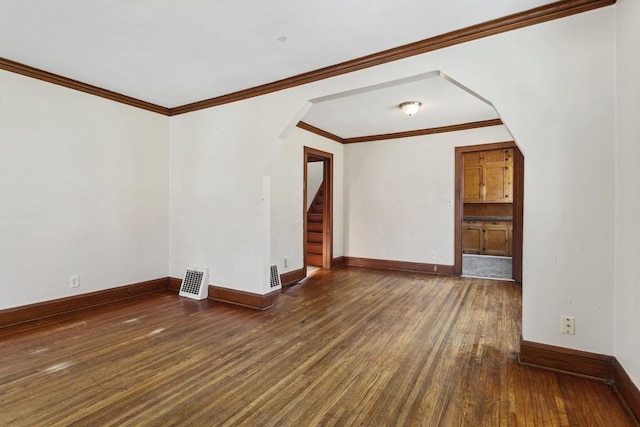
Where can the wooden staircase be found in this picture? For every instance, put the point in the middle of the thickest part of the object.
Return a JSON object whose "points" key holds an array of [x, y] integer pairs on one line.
{"points": [[315, 228]]}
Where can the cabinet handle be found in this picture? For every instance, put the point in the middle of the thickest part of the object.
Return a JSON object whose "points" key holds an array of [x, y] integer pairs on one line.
{"points": [[496, 222]]}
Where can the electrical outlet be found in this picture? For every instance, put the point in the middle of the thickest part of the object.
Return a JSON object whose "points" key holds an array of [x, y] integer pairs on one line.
{"points": [[434, 255], [74, 281], [568, 325]]}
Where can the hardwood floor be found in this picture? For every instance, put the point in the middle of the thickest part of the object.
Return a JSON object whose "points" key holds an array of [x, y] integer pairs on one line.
{"points": [[350, 346]]}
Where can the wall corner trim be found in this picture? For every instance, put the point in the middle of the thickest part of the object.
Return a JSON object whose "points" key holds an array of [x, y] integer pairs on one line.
{"points": [[594, 366], [292, 277], [46, 309], [174, 284], [597, 366], [626, 389], [337, 262], [383, 264], [242, 298]]}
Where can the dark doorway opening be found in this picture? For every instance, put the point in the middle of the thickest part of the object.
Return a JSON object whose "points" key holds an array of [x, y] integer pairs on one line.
{"points": [[317, 208], [485, 213]]}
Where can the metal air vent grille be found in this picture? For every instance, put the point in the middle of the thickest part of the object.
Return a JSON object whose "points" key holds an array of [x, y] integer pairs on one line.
{"points": [[275, 277], [195, 283]]}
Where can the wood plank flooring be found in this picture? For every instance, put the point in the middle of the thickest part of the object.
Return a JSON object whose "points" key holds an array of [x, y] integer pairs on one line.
{"points": [[349, 347]]}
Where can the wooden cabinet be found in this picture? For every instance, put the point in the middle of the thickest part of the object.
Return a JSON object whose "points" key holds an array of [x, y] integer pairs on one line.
{"points": [[472, 237], [497, 238], [487, 237], [488, 176], [473, 184]]}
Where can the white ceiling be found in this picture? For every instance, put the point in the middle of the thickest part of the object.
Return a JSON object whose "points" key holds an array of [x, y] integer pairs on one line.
{"points": [[375, 110], [171, 52]]}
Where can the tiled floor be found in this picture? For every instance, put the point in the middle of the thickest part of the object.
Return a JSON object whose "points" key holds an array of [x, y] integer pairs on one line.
{"points": [[486, 266]]}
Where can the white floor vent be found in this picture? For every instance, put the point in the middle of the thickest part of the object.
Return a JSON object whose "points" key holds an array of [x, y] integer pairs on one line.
{"points": [[275, 277], [195, 284]]}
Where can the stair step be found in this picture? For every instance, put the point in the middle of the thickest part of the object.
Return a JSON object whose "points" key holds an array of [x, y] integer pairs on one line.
{"points": [[316, 209], [314, 237], [315, 260], [314, 217], [314, 226], [314, 248]]}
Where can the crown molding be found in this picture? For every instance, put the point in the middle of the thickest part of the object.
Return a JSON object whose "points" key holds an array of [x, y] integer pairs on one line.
{"points": [[35, 73], [321, 132], [421, 132], [549, 12], [397, 135], [527, 18]]}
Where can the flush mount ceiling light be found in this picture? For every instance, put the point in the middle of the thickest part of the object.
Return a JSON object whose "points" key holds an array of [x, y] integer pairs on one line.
{"points": [[410, 108]]}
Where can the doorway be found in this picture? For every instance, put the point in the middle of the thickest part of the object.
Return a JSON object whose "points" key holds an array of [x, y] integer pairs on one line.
{"points": [[489, 198], [317, 209]]}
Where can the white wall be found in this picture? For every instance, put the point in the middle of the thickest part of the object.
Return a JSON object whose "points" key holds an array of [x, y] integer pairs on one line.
{"points": [[399, 195], [83, 190], [627, 189], [287, 192], [553, 84], [569, 185], [219, 212]]}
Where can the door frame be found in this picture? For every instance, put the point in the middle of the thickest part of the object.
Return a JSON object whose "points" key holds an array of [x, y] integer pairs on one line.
{"points": [[518, 204], [327, 212]]}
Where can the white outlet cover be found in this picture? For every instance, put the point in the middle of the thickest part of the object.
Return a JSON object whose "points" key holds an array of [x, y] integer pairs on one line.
{"points": [[74, 281], [568, 325]]}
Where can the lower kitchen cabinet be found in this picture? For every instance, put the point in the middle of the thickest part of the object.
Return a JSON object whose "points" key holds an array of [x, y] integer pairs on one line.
{"points": [[497, 238], [487, 237], [472, 237]]}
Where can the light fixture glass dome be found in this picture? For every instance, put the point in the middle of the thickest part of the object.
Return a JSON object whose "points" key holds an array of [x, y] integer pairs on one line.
{"points": [[410, 107]]}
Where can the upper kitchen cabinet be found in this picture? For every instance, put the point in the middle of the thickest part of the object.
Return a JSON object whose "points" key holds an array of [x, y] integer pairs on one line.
{"points": [[488, 176]]}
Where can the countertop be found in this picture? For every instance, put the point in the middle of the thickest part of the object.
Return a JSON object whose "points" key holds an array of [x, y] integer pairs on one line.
{"points": [[487, 218]]}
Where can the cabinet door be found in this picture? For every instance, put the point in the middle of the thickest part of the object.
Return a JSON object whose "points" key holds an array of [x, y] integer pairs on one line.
{"points": [[472, 184], [498, 175], [473, 158], [496, 238], [497, 156], [496, 183], [488, 176], [471, 237]]}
